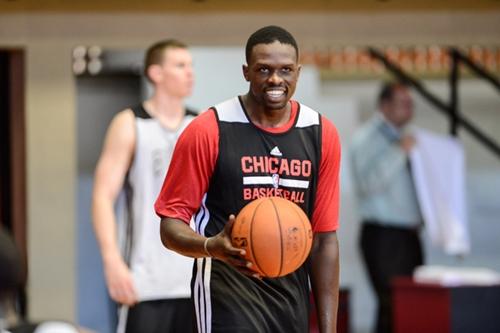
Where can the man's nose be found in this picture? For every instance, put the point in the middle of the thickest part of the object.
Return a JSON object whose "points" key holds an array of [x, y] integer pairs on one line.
{"points": [[275, 78]]}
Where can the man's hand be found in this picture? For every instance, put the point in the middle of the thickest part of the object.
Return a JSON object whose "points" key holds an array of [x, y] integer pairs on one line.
{"points": [[221, 248], [407, 142], [119, 282]]}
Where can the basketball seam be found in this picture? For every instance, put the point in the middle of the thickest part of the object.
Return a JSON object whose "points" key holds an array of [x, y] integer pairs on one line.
{"points": [[280, 238], [304, 257], [251, 238]]}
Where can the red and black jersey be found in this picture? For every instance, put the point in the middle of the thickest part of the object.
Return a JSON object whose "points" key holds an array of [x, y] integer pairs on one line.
{"points": [[223, 161]]}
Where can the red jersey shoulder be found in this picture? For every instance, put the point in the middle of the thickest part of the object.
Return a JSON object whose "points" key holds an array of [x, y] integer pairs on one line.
{"points": [[329, 133], [204, 122], [203, 127], [328, 127]]}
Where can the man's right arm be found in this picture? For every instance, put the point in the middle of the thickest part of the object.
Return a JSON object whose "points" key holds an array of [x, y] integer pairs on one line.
{"points": [[187, 180], [112, 167], [177, 236]]}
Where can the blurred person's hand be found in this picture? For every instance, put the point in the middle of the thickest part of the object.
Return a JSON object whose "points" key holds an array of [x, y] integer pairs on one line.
{"points": [[119, 281], [407, 142]]}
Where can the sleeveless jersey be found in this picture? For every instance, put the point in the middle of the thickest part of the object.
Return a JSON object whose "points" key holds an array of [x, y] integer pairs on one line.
{"points": [[158, 273], [254, 163]]}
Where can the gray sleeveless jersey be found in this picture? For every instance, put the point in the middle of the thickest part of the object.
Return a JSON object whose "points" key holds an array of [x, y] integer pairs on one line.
{"points": [[158, 273]]}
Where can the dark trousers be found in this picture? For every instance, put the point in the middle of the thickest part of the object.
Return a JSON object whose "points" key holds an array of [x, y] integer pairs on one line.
{"points": [[388, 252], [162, 316]]}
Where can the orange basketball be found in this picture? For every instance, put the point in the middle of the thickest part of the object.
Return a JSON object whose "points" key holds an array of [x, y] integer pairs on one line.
{"points": [[276, 235]]}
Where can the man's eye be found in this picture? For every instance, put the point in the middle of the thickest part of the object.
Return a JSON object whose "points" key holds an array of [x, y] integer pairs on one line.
{"points": [[263, 70], [286, 70]]}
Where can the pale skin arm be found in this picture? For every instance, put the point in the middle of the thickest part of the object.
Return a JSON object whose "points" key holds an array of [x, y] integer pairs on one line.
{"points": [[110, 173], [177, 236], [325, 279]]}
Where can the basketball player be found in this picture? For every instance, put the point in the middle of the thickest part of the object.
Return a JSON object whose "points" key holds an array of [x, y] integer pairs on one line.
{"points": [[151, 283], [207, 177]]}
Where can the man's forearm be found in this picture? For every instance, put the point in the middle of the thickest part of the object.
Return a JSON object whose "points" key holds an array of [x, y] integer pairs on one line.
{"points": [[325, 279], [177, 236], [104, 223]]}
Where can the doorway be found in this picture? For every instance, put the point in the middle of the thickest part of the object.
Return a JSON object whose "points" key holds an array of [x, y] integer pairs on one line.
{"points": [[13, 154]]}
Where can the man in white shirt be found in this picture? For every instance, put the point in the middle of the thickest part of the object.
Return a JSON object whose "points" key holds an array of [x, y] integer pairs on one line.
{"points": [[386, 195]]}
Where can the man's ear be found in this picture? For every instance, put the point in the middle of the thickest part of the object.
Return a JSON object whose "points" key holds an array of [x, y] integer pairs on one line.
{"points": [[154, 73], [245, 72]]}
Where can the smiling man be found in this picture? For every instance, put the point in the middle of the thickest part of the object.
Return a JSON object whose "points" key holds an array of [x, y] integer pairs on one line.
{"points": [[258, 144]]}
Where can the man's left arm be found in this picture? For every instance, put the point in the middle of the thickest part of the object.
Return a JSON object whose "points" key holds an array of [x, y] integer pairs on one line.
{"points": [[324, 257], [324, 275]]}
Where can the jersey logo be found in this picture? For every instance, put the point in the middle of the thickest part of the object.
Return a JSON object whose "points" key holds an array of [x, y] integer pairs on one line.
{"points": [[276, 180], [157, 161], [276, 151], [240, 242]]}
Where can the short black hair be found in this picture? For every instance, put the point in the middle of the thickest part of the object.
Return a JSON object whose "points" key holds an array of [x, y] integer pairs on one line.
{"points": [[154, 54], [387, 91], [269, 35]]}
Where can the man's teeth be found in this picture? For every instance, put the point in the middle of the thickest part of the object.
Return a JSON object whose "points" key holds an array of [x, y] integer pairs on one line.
{"points": [[275, 93]]}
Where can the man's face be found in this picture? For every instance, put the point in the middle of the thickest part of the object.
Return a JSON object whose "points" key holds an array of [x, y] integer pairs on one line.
{"points": [[175, 74], [399, 110], [273, 72]]}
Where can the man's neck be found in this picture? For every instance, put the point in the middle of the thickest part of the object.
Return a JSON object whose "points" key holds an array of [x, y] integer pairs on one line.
{"points": [[168, 110], [266, 118], [389, 128]]}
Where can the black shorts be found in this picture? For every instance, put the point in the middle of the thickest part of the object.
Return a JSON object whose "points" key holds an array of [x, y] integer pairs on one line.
{"points": [[161, 316]]}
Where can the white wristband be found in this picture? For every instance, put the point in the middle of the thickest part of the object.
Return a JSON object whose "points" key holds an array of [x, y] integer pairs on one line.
{"points": [[205, 247]]}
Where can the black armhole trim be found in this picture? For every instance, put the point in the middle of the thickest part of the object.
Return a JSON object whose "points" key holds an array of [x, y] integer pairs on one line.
{"points": [[320, 139], [217, 161], [320, 161], [299, 110], [129, 221], [216, 113], [140, 112], [191, 112]]}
